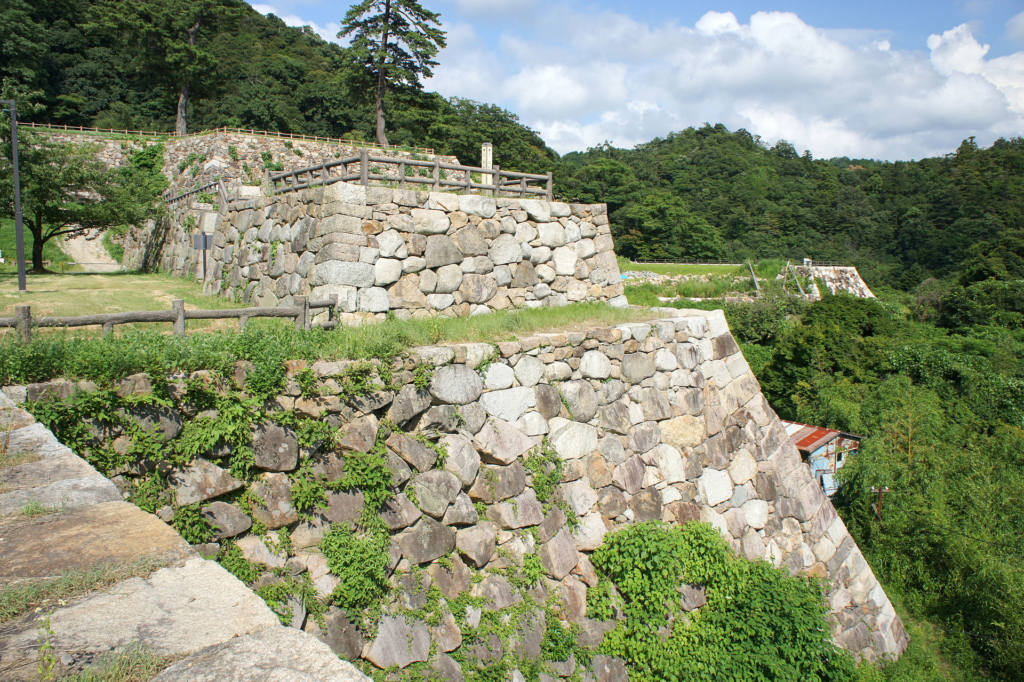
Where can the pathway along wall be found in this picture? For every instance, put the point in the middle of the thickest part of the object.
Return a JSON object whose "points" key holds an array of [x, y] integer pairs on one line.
{"points": [[653, 421], [415, 253]]}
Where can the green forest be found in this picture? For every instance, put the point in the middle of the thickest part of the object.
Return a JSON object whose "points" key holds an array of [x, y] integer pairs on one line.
{"points": [[931, 372]]}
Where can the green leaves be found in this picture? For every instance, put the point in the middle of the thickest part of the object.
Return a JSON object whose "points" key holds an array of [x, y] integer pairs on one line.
{"points": [[758, 623]]}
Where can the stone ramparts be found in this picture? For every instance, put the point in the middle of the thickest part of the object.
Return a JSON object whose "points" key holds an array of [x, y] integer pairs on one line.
{"points": [[381, 250], [650, 421], [235, 158]]}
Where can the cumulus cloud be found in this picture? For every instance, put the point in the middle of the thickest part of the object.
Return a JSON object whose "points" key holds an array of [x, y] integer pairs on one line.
{"points": [[583, 78], [328, 32]]}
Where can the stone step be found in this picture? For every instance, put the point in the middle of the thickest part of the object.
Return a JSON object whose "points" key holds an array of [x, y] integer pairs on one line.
{"points": [[176, 611], [84, 537]]}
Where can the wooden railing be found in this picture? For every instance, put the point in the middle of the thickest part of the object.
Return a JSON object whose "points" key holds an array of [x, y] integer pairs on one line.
{"points": [[242, 131], [219, 184], [24, 321], [493, 180], [824, 264]]}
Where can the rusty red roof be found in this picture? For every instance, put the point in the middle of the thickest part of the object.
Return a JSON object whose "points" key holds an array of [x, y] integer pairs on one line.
{"points": [[809, 438]]}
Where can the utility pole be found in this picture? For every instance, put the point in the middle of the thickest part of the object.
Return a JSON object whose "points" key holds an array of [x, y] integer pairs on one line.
{"points": [[19, 234]]}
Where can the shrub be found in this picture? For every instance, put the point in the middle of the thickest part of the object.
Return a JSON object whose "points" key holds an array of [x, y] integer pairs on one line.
{"points": [[758, 623]]}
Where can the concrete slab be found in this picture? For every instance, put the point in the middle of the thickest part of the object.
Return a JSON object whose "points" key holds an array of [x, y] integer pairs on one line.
{"points": [[106, 533]]}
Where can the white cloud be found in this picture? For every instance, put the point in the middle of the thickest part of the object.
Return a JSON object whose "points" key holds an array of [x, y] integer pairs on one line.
{"points": [[328, 32], [581, 78], [1015, 27]]}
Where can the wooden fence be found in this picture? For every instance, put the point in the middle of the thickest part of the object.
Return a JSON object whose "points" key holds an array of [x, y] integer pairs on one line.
{"points": [[222, 191], [24, 321], [493, 180]]}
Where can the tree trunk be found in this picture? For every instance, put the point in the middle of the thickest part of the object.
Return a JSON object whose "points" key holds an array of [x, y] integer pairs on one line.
{"points": [[182, 123], [37, 249], [182, 126], [382, 138]]}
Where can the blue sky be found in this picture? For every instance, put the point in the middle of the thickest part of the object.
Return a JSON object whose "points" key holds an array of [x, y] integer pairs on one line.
{"points": [[895, 79]]}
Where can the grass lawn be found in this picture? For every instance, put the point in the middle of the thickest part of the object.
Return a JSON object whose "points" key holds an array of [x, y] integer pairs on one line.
{"points": [[8, 248], [89, 293], [626, 265]]}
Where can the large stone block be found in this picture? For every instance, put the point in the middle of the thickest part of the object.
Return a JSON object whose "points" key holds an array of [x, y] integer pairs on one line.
{"points": [[426, 541]]}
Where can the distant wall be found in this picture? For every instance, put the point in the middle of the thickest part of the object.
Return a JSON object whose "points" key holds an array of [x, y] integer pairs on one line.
{"points": [[212, 156], [379, 249]]}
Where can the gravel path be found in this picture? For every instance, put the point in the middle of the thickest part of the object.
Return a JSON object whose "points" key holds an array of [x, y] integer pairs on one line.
{"points": [[91, 254]]}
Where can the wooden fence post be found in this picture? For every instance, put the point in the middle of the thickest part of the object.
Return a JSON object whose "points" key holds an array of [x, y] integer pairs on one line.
{"points": [[302, 319], [437, 175], [242, 320], [178, 306], [551, 182], [364, 166], [401, 175], [496, 180], [24, 315]]}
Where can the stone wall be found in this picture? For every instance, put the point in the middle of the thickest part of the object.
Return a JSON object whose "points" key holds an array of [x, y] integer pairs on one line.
{"points": [[378, 249], [660, 420], [225, 155]]}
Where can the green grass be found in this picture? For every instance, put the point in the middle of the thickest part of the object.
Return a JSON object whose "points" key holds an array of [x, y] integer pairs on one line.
{"points": [[115, 250], [134, 664], [625, 265], [8, 247], [20, 598], [87, 293], [268, 343]]}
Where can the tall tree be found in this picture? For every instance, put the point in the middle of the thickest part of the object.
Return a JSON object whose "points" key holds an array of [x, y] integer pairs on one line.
{"points": [[163, 37], [65, 191], [401, 61]]}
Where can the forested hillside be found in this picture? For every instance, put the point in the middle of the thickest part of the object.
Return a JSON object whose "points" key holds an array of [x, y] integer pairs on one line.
{"points": [[711, 193], [261, 74]]}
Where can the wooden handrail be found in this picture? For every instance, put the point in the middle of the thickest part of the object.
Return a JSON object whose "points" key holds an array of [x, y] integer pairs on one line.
{"points": [[24, 321], [509, 182]]}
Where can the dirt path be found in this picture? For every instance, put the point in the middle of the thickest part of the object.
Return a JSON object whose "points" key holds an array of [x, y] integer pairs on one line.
{"points": [[91, 254]]}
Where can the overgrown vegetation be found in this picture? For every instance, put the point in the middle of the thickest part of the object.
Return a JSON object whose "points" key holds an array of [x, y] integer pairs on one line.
{"points": [[782, 636]]}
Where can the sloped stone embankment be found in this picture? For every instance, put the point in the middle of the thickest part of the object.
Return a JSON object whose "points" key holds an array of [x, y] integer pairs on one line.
{"points": [[659, 421]]}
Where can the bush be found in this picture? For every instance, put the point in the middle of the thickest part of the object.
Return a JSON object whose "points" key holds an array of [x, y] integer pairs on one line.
{"points": [[758, 623]]}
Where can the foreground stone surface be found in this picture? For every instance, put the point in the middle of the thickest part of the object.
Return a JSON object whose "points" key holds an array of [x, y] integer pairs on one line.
{"points": [[273, 655], [105, 533], [175, 611]]}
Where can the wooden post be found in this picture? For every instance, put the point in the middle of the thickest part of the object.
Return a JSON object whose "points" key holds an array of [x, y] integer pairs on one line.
{"points": [[401, 175], [302, 319], [24, 315], [469, 183], [486, 162], [178, 306], [522, 188], [496, 180], [437, 175], [551, 182], [242, 319], [108, 328], [364, 166]]}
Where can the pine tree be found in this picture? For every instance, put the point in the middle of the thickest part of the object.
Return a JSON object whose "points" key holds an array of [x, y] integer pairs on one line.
{"points": [[396, 40]]}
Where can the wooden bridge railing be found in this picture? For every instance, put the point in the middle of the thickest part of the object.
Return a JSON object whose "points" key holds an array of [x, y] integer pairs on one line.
{"points": [[24, 321]]}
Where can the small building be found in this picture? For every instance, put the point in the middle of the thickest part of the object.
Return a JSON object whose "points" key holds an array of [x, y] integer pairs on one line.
{"points": [[825, 450]]}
